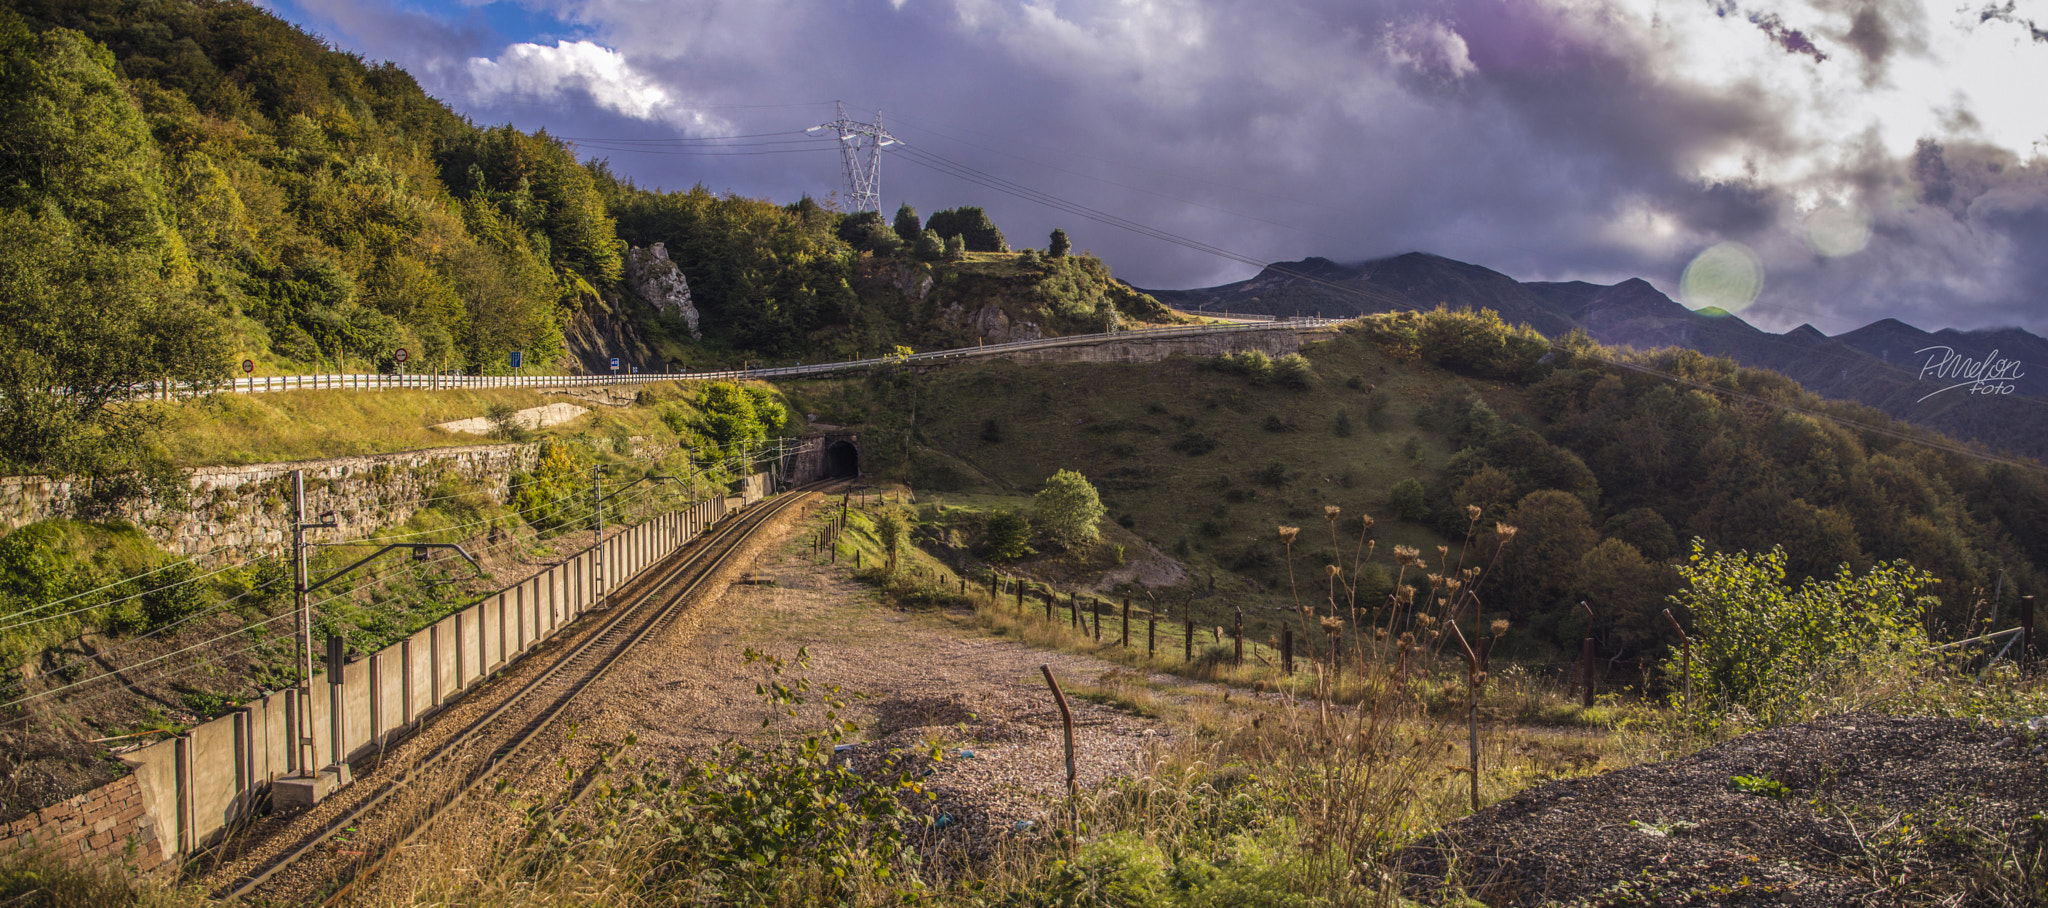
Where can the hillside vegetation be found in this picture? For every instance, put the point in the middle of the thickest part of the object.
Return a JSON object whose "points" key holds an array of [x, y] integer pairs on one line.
{"points": [[1414, 419], [188, 183]]}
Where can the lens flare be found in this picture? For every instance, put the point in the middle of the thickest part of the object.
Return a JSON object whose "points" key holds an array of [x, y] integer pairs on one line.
{"points": [[1725, 277], [1836, 231]]}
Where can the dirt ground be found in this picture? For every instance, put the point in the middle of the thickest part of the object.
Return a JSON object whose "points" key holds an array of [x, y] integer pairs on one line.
{"points": [[911, 680], [1849, 810]]}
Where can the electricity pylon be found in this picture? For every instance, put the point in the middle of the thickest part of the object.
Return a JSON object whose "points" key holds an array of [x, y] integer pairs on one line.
{"points": [[860, 150]]}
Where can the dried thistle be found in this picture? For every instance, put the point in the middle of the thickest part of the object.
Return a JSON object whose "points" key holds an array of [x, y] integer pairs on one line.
{"points": [[1405, 594], [1443, 551], [1330, 512], [1379, 633], [1436, 580], [1332, 571], [1426, 621], [1332, 625], [1500, 626], [1368, 520], [1506, 532], [1453, 585], [1406, 555], [1287, 534], [1472, 513], [1408, 640]]}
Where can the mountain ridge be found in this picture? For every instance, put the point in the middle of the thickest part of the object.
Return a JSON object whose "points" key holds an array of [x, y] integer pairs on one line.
{"points": [[1931, 378]]}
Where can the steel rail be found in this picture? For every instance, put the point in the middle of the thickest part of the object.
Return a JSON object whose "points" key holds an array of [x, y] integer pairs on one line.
{"points": [[694, 566]]}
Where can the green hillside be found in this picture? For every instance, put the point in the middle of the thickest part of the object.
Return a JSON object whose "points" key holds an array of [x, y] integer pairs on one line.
{"points": [[1412, 418], [188, 183]]}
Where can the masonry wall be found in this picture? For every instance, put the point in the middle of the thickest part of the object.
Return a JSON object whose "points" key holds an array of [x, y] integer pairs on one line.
{"points": [[235, 511], [249, 508], [187, 791], [1141, 347], [110, 821]]}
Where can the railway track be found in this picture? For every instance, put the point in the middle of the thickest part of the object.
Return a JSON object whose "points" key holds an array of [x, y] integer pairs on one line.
{"points": [[322, 855]]}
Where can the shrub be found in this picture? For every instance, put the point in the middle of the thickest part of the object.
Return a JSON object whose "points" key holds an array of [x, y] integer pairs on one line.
{"points": [[1251, 364], [1294, 371], [1007, 537], [1763, 646], [1408, 501], [1068, 509], [1195, 444]]}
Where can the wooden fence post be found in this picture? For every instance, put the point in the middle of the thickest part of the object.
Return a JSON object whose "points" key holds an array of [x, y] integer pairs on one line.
{"points": [[2026, 636], [1287, 651], [1237, 636], [1126, 643]]}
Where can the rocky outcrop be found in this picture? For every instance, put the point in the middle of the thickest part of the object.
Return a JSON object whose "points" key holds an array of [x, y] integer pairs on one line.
{"points": [[661, 283], [599, 332], [990, 323]]}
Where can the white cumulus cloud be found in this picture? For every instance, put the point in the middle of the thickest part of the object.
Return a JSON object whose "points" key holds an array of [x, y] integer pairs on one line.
{"points": [[534, 72]]}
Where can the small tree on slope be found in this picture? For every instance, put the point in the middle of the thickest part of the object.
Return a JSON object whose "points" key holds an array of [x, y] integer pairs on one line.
{"points": [[1068, 509]]}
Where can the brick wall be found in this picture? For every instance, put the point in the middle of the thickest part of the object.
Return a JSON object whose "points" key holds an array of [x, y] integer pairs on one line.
{"points": [[101, 823]]}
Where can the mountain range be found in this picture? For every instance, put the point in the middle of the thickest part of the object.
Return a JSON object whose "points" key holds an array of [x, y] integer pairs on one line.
{"points": [[1925, 377]]}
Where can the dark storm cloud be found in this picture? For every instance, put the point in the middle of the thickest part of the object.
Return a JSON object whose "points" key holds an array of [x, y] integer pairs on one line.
{"points": [[1547, 140]]}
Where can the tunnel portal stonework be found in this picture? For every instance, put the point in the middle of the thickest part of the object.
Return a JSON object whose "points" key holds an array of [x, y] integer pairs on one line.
{"points": [[825, 452]]}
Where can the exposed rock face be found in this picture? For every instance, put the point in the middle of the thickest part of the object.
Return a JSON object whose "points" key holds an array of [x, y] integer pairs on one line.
{"points": [[991, 324], [598, 332], [661, 283]]}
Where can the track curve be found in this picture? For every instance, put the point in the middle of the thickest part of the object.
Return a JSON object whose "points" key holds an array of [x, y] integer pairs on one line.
{"points": [[321, 855]]}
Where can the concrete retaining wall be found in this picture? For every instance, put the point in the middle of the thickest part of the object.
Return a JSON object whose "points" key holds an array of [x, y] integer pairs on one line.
{"points": [[186, 792]]}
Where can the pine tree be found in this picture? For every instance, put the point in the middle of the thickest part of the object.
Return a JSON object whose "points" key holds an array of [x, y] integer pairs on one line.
{"points": [[1059, 246], [906, 223]]}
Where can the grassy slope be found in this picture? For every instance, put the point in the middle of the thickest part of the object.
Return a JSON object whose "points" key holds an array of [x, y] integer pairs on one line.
{"points": [[305, 425], [1117, 424]]}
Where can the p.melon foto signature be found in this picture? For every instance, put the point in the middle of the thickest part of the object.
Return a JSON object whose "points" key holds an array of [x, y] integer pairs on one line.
{"points": [[1989, 375]]}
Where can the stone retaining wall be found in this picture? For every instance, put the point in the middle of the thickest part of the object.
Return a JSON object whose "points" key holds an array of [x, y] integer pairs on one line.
{"points": [[109, 822], [1141, 347]]}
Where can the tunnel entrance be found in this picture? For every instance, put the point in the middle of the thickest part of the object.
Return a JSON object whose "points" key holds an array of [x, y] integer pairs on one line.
{"points": [[842, 460]]}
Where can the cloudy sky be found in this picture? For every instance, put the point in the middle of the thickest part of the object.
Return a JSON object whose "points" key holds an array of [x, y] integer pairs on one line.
{"points": [[1823, 161]]}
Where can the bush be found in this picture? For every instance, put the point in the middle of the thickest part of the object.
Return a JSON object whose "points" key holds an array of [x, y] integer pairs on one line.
{"points": [[1195, 444], [1408, 501], [1068, 509], [1251, 364], [1760, 645], [1294, 371], [1007, 537]]}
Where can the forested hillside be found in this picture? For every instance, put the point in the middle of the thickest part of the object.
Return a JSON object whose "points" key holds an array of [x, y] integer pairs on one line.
{"points": [[1607, 474], [186, 183]]}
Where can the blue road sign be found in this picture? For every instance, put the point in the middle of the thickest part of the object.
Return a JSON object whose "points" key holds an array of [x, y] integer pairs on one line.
{"points": [[517, 357], [615, 364]]}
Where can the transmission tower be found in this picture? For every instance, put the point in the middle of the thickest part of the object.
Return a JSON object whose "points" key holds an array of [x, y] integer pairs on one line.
{"points": [[860, 149]]}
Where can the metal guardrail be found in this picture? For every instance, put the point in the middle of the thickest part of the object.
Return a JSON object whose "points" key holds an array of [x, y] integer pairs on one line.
{"points": [[1240, 316], [430, 382]]}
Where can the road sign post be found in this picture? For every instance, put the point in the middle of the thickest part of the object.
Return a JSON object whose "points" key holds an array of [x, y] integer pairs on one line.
{"points": [[615, 364]]}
